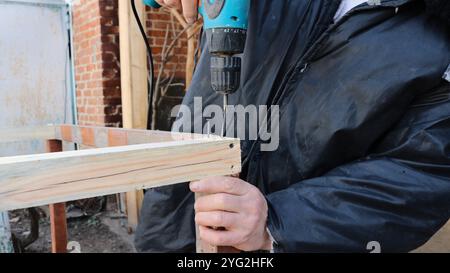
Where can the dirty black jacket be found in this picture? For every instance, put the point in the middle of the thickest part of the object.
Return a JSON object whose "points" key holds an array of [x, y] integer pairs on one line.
{"points": [[364, 149]]}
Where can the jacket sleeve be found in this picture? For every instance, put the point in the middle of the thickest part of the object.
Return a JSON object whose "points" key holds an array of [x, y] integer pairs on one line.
{"points": [[399, 196], [167, 221]]}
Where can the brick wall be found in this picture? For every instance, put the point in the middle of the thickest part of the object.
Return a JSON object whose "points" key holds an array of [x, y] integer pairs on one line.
{"points": [[97, 60], [158, 23], [96, 51]]}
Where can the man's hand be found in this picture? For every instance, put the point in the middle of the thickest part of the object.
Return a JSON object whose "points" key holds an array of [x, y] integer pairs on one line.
{"points": [[235, 205], [189, 7]]}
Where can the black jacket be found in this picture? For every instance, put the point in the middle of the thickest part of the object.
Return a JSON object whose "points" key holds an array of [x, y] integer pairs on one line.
{"points": [[364, 149]]}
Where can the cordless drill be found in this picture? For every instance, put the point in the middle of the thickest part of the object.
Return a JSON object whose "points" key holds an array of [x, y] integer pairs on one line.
{"points": [[225, 25]]}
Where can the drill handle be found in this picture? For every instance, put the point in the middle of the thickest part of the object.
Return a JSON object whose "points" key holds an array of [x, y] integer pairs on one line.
{"points": [[152, 3]]}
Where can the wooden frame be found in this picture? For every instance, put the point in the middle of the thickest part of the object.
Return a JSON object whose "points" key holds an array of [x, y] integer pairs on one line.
{"points": [[134, 79], [134, 91], [118, 160]]}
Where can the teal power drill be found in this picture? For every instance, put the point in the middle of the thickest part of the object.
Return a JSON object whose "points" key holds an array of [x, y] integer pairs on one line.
{"points": [[225, 25]]}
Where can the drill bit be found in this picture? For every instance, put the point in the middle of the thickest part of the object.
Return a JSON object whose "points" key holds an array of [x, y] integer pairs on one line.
{"points": [[225, 106]]}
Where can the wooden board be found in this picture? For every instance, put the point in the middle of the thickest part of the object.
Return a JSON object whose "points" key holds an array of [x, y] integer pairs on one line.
{"points": [[27, 133], [204, 247], [58, 227], [101, 137], [58, 222], [34, 180], [133, 67], [165, 158], [134, 85], [94, 137]]}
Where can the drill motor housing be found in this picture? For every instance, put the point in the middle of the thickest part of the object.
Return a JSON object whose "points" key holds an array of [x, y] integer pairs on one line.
{"points": [[225, 26]]}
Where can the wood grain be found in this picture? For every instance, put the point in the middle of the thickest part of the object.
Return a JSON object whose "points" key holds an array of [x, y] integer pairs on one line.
{"points": [[133, 67], [101, 137], [34, 180], [94, 137], [58, 222], [27, 133], [58, 227]]}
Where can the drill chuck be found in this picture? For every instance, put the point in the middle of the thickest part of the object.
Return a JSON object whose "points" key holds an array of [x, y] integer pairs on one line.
{"points": [[227, 41], [225, 74], [225, 24]]}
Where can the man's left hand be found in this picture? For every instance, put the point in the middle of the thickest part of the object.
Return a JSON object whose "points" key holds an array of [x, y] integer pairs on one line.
{"points": [[237, 207]]}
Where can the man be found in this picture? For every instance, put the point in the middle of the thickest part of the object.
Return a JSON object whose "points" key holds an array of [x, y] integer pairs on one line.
{"points": [[364, 151]]}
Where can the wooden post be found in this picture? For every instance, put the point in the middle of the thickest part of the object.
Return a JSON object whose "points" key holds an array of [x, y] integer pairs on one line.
{"points": [[58, 227], [58, 223], [134, 73], [203, 247]]}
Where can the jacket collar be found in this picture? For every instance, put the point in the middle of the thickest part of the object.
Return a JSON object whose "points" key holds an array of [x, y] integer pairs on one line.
{"points": [[439, 8], [436, 8]]}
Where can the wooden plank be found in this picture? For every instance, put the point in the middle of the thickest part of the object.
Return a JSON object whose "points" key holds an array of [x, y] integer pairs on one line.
{"points": [[27, 133], [133, 199], [134, 84], [107, 137], [58, 227], [204, 247], [133, 67], [101, 137], [94, 137], [58, 222], [34, 180]]}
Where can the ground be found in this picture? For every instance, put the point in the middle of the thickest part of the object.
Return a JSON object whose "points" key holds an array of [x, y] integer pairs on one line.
{"points": [[104, 232]]}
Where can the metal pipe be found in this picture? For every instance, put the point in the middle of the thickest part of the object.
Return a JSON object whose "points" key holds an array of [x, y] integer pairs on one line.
{"points": [[73, 92], [6, 245]]}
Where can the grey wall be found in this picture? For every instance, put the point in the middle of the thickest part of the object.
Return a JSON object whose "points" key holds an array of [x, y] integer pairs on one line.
{"points": [[35, 81]]}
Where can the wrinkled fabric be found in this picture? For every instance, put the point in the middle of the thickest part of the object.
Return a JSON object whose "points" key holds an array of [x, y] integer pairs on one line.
{"points": [[364, 149]]}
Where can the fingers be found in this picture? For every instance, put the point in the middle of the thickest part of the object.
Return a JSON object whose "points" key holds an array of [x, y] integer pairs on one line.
{"points": [[172, 3], [219, 237], [220, 185], [190, 9], [216, 219], [160, 2], [219, 201]]}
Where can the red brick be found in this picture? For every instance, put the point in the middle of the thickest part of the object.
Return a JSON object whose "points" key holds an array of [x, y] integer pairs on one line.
{"points": [[117, 138], [97, 57], [88, 136]]}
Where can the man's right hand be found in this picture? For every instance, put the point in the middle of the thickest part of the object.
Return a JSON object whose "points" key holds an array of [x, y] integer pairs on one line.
{"points": [[189, 7]]}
